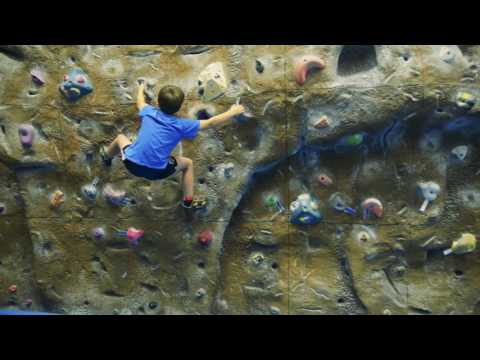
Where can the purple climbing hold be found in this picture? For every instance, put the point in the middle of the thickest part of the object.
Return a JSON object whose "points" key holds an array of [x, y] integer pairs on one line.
{"points": [[115, 197], [27, 135], [98, 233]]}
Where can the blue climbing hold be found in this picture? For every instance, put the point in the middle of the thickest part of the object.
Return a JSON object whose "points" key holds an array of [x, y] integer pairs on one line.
{"points": [[76, 85], [21, 312], [305, 211]]}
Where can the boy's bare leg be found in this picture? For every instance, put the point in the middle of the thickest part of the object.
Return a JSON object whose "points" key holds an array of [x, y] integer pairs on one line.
{"points": [[186, 166], [117, 145]]}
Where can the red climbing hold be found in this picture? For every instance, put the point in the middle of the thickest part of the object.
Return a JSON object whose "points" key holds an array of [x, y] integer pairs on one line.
{"points": [[205, 237]]}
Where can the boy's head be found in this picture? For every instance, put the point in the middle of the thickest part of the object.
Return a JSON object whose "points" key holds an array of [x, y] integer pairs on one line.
{"points": [[170, 99]]}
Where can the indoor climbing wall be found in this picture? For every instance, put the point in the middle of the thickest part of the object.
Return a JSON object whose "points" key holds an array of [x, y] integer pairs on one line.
{"points": [[351, 185]]}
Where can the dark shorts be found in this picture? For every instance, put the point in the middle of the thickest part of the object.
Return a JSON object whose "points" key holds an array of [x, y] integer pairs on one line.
{"points": [[149, 173]]}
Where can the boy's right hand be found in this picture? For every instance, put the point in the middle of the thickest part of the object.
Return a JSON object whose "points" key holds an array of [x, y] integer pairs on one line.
{"points": [[237, 110]]}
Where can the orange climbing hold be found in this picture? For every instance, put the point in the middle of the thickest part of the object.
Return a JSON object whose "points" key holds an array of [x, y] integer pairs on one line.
{"points": [[57, 199]]}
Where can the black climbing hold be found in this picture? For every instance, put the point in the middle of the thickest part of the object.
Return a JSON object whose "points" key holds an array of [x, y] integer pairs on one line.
{"points": [[201, 180], [152, 305], [259, 66], [201, 91], [201, 265], [354, 59], [341, 300], [211, 168], [199, 82], [203, 114], [458, 273], [275, 266]]}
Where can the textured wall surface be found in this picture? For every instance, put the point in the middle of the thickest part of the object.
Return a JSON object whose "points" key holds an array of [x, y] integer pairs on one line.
{"points": [[378, 122]]}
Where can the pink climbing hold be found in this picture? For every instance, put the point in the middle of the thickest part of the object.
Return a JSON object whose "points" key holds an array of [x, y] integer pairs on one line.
{"points": [[304, 65], [205, 237], [372, 206], [133, 235], [80, 79], [27, 135]]}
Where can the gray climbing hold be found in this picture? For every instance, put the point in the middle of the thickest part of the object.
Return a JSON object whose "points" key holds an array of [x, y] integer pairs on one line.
{"points": [[275, 311], [200, 293], [460, 152]]}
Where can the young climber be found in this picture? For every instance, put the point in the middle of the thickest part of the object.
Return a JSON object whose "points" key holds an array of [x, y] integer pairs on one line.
{"points": [[160, 131]]}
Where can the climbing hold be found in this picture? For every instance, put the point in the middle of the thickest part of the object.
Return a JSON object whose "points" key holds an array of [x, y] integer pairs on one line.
{"points": [[133, 235], [98, 233], [212, 82], [205, 237], [200, 293], [228, 170], [372, 206], [324, 179], [75, 85], [115, 197], [351, 143], [28, 302], [305, 211], [38, 76], [57, 198], [447, 55], [273, 201], [274, 310], [465, 100], [3, 208], [304, 65], [12, 288], [460, 152], [340, 202], [428, 191], [322, 123], [256, 258], [89, 191], [26, 132], [152, 305], [431, 141], [465, 244], [259, 66]]}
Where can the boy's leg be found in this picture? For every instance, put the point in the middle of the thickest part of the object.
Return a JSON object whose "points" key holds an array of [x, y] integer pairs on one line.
{"points": [[186, 166], [117, 145]]}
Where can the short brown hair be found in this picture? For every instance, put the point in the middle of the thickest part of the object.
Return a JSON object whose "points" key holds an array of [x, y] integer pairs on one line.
{"points": [[170, 99]]}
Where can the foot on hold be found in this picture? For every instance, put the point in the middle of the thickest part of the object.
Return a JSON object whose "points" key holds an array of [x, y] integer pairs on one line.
{"points": [[190, 203], [107, 161]]}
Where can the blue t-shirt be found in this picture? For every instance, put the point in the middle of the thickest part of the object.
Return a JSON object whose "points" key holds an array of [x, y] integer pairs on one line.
{"points": [[159, 134]]}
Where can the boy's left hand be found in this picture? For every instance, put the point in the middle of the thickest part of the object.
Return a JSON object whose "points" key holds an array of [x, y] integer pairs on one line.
{"points": [[237, 109]]}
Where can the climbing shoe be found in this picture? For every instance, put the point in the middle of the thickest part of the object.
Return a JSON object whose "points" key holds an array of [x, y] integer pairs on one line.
{"points": [[187, 202], [197, 203], [103, 154]]}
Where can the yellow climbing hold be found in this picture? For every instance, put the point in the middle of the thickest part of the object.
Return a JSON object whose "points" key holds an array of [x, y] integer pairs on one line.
{"points": [[465, 244]]}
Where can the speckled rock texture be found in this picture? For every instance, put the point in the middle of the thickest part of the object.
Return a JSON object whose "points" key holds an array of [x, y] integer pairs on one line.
{"points": [[348, 122]]}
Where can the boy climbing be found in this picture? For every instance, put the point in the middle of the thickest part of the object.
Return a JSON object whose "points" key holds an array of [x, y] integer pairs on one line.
{"points": [[160, 131]]}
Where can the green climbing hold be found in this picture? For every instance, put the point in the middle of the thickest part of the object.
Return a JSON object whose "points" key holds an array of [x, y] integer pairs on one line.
{"points": [[355, 139]]}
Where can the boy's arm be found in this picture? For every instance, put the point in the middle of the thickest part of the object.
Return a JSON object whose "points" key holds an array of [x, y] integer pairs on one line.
{"points": [[222, 118], [140, 97]]}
